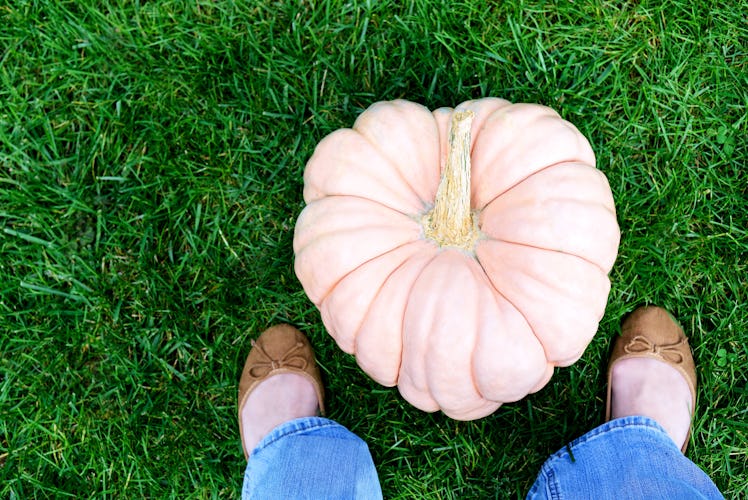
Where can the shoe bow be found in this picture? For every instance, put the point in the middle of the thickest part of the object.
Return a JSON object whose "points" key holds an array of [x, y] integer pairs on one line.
{"points": [[670, 352], [289, 360]]}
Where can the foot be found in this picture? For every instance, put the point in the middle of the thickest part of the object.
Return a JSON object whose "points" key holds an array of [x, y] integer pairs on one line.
{"points": [[645, 386], [276, 400], [652, 373], [280, 382]]}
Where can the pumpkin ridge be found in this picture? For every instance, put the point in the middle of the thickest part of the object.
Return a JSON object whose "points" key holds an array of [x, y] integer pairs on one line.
{"points": [[329, 172], [406, 214], [407, 303], [368, 331], [524, 316], [349, 222], [563, 252], [393, 249], [540, 170], [564, 332], [406, 217], [582, 259], [376, 295], [481, 277], [391, 162], [368, 261], [494, 295]]}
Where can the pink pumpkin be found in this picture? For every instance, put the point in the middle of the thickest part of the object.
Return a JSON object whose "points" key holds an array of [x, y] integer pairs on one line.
{"points": [[460, 254]]}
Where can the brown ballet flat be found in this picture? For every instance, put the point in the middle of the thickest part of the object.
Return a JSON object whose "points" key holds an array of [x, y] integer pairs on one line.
{"points": [[651, 332], [279, 349]]}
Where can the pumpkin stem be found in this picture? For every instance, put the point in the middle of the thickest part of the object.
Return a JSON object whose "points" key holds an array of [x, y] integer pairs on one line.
{"points": [[451, 222]]}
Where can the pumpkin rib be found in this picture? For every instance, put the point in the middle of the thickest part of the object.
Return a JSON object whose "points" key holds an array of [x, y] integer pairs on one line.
{"points": [[481, 277], [344, 223], [374, 323], [590, 243], [320, 183], [533, 174], [430, 374], [393, 161], [406, 304], [402, 321], [393, 249], [399, 173], [577, 324], [407, 214], [433, 333], [505, 153], [495, 298], [488, 277], [368, 261], [345, 332], [563, 252]]}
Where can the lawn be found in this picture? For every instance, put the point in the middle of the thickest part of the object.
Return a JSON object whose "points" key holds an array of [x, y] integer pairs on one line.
{"points": [[151, 159]]}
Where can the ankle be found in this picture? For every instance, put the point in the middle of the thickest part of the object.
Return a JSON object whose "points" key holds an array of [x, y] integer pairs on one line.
{"points": [[651, 388], [276, 400]]}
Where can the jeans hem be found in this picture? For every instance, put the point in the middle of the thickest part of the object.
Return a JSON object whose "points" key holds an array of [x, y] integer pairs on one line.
{"points": [[296, 426]]}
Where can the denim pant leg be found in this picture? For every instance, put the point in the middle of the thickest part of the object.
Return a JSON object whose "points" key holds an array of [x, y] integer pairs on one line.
{"points": [[313, 458], [631, 457]]}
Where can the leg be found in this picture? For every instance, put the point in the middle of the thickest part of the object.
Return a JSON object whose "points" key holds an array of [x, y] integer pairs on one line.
{"points": [[292, 452], [311, 458], [626, 458], [651, 398]]}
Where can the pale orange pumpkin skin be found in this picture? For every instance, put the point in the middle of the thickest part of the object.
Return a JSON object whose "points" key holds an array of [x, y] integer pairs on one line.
{"points": [[461, 330]]}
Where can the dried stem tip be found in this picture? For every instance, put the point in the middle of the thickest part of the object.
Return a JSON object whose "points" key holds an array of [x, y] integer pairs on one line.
{"points": [[452, 222]]}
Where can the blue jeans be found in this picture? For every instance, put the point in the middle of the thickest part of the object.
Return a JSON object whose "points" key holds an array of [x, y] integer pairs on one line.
{"points": [[313, 458], [630, 457]]}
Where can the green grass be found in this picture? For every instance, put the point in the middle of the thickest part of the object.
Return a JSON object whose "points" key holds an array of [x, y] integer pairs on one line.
{"points": [[150, 176]]}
